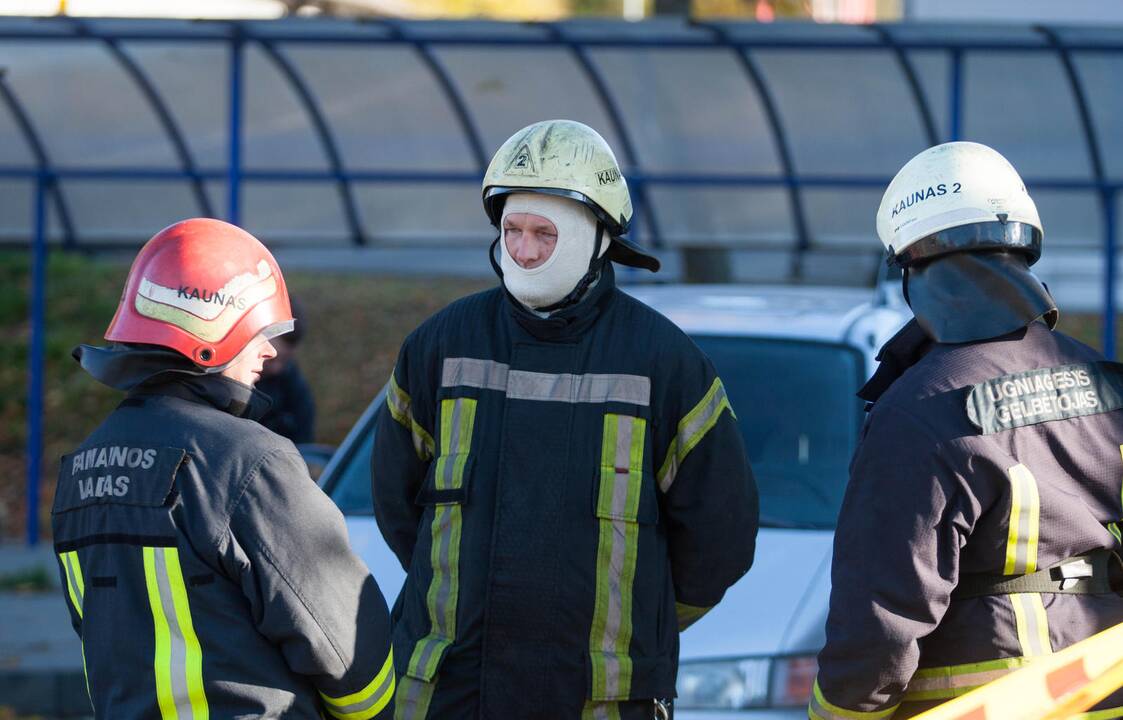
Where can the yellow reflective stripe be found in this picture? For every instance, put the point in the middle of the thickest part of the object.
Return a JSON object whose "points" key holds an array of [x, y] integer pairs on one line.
{"points": [[1025, 515], [1032, 624], [617, 508], [457, 424], [1107, 714], [689, 614], [399, 404], [692, 428], [162, 663], [821, 709], [369, 701], [600, 711], [75, 585], [1113, 528], [411, 702], [178, 662], [949, 681]]}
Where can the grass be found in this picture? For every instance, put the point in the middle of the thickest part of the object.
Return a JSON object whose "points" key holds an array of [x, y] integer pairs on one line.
{"points": [[355, 326]]}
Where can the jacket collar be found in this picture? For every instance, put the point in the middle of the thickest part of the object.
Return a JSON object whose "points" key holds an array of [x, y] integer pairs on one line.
{"points": [[572, 322], [903, 350], [218, 391]]}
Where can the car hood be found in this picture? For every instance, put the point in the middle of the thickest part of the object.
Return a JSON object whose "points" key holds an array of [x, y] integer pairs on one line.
{"points": [[779, 606]]}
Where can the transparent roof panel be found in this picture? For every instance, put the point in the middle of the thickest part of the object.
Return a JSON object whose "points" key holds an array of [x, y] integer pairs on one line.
{"points": [[191, 81], [1007, 114], [14, 148], [843, 218], [1102, 76], [424, 213], [833, 107], [280, 213], [16, 198], [123, 211], [758, 216], [385, 108], [1071, 218], [280, 131], [933, 72], [76, 94], [681, 125], [509, 88]]}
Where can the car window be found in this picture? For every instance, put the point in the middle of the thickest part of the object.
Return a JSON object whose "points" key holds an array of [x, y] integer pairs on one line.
{"points": [[798, 413], [351, 492]]}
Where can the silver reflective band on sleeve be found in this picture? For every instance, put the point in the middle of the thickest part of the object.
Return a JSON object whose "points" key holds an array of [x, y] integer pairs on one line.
{"points": [[548, 387]]}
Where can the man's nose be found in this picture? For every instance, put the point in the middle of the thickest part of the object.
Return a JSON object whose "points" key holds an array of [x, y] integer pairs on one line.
{"points": [[526, 252]]}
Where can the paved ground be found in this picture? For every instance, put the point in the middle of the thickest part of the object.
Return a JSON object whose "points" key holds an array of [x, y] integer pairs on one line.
{"points": [[40, 656]]}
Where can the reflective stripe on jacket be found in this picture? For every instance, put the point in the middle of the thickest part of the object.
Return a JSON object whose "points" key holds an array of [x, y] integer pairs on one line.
{"points": [[563, 492], [206, 573], [983, 458]]}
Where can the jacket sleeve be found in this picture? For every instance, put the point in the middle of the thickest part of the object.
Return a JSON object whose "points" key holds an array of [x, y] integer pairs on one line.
{"points": [[709, 496], [905, 516], [308, 592], [403, 449]]}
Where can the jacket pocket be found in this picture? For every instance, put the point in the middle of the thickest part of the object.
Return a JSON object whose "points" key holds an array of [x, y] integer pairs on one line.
{"points": [[444, 493], [624, 504]]}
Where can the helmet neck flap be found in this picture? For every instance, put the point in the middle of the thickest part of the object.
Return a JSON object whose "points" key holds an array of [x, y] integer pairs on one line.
{"points": [[971, 296]]}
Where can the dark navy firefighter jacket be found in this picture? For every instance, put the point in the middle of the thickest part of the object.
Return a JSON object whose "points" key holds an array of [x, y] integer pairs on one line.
{"points": [[565, 494], [206, 573], [995, 459]]}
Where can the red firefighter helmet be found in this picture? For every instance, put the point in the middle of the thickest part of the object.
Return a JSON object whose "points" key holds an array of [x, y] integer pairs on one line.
{"points": [[205, 289]]}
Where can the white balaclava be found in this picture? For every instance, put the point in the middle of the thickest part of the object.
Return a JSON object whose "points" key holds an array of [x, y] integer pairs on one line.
{"points": [[558, 276]]}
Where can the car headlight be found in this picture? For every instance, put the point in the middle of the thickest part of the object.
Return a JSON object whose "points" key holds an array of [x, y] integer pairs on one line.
{"points": [[752, 682]]}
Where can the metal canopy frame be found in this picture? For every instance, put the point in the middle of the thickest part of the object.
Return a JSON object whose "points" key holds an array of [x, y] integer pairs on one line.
{"points": [[46, 174]]}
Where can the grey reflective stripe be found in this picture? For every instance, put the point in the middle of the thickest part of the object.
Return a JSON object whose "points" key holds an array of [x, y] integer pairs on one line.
{"points": [[549, 387], [692, 428], [470, 372], [178, 644], [1032, 624], [624, 428]]}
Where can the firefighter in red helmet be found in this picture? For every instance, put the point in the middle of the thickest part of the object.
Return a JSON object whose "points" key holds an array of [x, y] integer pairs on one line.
{"points": [[205, 572]]}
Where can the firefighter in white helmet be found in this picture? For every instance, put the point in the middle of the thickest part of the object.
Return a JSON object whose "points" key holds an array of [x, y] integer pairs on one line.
{"points": [[557, 466], [979, 529]]}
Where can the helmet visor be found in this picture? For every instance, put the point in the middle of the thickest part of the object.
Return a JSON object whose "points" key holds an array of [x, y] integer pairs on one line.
{"points": [[1010, 236]]}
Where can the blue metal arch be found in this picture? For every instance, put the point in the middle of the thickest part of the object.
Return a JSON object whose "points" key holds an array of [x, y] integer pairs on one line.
{"points": [[46, 176], [323, 131], [156, 101], [783, 148]]}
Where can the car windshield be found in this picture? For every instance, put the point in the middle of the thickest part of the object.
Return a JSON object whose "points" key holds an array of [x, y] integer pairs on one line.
{"points": [[797, 410], [800, 419]]}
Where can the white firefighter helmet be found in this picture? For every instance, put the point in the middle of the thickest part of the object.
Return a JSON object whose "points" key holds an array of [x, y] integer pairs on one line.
{"points": [[954, 197], [560, 157]]}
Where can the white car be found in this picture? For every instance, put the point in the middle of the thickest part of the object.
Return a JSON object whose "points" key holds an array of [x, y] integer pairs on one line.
{"points": [[791, 359]]}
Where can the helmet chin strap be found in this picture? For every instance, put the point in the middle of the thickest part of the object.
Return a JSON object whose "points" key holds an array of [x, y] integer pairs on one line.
{"points": [[596, 263]]}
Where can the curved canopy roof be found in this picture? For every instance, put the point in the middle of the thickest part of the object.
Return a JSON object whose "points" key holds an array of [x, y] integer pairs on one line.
{"points": [[777, 138]]}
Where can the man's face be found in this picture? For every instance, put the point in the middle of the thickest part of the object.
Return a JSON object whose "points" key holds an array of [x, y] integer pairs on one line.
{"points": [[530, 239], [247, 365]]}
